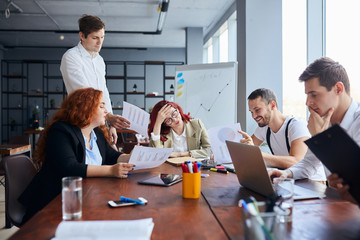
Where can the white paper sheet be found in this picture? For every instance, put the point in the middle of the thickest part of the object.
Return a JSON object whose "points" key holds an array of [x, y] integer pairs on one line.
{"points": [[218, 136], [107, 230], [147, 157], [138, 118]]}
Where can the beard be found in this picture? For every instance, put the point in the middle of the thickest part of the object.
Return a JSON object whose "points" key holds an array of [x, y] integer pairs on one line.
{"points": [[265, 120]]}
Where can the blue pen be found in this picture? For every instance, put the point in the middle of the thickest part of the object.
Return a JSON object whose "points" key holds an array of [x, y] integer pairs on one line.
{"points": [[129, 200], [128, 174], [199, 165]]}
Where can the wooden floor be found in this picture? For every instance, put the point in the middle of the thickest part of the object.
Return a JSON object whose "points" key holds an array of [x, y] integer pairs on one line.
{"points": [[5, 233]]}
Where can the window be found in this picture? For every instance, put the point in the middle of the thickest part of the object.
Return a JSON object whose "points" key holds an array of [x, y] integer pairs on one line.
{"points": [[221, 47], [343, 38], [294, 57], [224, 40]]}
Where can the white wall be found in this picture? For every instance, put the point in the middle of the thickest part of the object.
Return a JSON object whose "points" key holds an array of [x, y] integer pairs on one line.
{"points": [[259, 52]]}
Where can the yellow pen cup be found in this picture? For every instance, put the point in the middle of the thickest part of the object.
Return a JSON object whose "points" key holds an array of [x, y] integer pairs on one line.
{"points": [[191, 183]]}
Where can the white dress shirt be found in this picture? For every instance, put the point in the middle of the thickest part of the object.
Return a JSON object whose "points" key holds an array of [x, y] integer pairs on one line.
{"points": [[81, 70], [311, 167]]}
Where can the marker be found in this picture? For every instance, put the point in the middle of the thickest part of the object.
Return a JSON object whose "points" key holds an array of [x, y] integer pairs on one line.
{"points": [[198, 165], [220, 167], [189, 164], [218, 170], [195, 167], [184, 168], [230, 169], [129, 200], [128, 174]]}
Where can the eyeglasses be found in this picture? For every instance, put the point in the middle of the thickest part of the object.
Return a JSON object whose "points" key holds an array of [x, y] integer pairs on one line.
{"points": [[174, 114]]}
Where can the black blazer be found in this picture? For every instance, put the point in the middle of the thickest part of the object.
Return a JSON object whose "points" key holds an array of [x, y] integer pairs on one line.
{"points": [[65, 156]]}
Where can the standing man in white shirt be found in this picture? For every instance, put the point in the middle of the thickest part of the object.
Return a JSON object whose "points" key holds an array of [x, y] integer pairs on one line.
{"points": [[328, 98], [284, 135], [82, 66]]}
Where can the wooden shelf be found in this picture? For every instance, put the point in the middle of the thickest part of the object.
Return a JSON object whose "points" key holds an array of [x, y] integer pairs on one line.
{"points": [[35, 95], [13, 76], [135, 93], [172, 92], [54, 92], [152, 96], [170, 77], [13, 92], [13, 108]]}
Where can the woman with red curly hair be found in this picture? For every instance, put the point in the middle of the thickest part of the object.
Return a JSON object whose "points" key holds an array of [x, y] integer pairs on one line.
{"points": [[75, 143], [171, 128]]}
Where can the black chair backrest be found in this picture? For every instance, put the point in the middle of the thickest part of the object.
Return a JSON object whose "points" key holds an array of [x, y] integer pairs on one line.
{"points": [[19, 171]]}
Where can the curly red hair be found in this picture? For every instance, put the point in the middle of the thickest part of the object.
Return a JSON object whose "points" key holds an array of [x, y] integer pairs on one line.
{"points": [[164, 128], [77, 109]]}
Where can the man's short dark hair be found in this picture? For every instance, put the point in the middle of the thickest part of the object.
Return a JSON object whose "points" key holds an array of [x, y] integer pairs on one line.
{"points": [[329, 73], [89, 24], [266, 94]]}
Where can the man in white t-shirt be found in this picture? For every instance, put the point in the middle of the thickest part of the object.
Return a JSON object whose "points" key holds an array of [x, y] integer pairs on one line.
{"points": [[329, 102], [82, 66], [284, 135]]}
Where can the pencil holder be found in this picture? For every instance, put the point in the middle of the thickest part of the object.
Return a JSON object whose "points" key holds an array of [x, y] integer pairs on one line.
{"points": [[269, 226], [191, 185]]}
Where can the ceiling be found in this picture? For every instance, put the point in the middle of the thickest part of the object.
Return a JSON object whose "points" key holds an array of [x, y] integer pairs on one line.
{"points": [[41, 23]]}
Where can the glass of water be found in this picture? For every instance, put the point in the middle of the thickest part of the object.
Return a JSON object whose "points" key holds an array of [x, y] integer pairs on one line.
{"points": [[71, 198], [284, 187]]}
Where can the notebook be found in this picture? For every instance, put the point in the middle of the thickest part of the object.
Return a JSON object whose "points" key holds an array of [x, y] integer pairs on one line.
{"points": [[251, 171], [340, 154], [179, 160]]}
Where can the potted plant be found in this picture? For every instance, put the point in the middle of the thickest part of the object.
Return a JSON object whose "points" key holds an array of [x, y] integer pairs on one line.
{"points": [[52, 103]]}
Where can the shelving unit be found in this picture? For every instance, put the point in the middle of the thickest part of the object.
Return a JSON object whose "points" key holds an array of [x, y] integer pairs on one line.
{"points": [[147, 75], [27, 83]]}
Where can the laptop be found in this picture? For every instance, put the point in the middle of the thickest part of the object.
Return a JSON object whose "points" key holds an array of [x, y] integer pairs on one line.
{"points": [[251, 171], [340, 154]]}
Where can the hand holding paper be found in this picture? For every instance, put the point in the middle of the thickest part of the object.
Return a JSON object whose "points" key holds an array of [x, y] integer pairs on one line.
{"points": [[139, 119], [147, 157]]}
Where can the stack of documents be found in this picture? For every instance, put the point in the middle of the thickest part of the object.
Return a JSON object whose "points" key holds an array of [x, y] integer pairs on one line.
{"points": [[107, 230]]}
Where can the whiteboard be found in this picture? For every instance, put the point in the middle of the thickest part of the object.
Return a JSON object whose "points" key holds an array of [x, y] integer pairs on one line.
{"points": [[208, 92]]}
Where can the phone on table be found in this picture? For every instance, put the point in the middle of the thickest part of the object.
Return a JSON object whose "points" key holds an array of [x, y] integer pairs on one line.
{"points": [[120, 203]]}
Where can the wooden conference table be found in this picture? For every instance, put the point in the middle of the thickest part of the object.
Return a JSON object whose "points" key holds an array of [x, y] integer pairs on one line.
{"points": [[215, 215]]}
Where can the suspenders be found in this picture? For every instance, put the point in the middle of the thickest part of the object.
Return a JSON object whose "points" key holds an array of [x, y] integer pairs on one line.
{"points": [[286, 137]]}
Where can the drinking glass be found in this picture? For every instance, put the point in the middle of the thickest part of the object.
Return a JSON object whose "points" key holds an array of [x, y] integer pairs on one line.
{"points": [[284, 187], [71, 198]]}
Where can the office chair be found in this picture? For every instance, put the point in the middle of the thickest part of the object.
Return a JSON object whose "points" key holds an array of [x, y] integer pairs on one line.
{"points": [[12, 140], [19, 171]]}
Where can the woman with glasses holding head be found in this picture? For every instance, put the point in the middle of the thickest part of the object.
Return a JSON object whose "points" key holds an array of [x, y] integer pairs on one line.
{"points": [[171, 128]]}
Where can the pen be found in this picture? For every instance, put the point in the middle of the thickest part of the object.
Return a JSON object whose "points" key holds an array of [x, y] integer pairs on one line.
{"points": [[218, 170], [198, 166], [230, 169], [189, 164], [184, 168], [129, 200], [128, 174], [195, 166]]}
